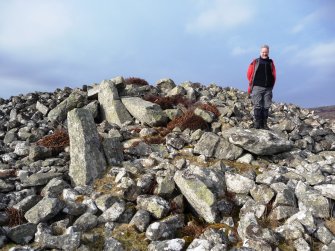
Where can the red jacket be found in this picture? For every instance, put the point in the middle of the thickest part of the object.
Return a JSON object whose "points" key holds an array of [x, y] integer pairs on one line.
{"points": [[252, 70]]}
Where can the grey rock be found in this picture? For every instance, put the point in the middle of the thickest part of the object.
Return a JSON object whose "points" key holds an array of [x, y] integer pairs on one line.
{"points": [[93, 107], [156, 205], [27, 203], [237, 183], [174, 140], [304, 218], [74, 208], [112, 109], [22, 248], [22, 234], [246, 158], [282, 212], [327, 190], [105, 201], [159, 231], [178, 90], [54, 188], [250, 206], [39, 152], [169, 245], [329, 247], [198, 194], [301, 245], [324, 235], [6, 186], [44, 210], [166, 228], [87, 160], [38, 179], [269, 177], [75, 100], [146, 112], [85, 222], [165, 186], [285, 195], [165, 85], [113, 151], [310, 200], [262, 193], [42, 108], [113, 213], [226, 150], [141, 220], [68, 241], [207, 144], [200, 244], [205, 115], [112, 244], [22, 149], [292, 231], [260, 142]]}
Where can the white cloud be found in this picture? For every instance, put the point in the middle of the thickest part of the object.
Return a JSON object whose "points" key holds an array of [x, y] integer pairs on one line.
{"points": [[323, 14], [33, 24], [222, 15], [304, 22], [322, 55], [237, 51]]}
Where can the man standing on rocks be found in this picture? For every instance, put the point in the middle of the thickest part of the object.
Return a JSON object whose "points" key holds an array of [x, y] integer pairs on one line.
{"points": [[262, 77]]}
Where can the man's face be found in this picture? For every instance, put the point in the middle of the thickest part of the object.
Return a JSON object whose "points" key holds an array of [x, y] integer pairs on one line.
{"points": [[264, 53]]}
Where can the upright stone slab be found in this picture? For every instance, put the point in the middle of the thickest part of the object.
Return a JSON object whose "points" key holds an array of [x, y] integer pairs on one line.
{"points": [[87, 160], [111, 107], [148, 113]]}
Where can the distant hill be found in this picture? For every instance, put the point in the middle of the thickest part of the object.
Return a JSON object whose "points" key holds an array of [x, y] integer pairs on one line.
{"points": [[327, 112]]}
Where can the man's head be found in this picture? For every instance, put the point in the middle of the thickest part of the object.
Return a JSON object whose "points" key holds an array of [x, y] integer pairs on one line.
{"points": [[264, 51]]}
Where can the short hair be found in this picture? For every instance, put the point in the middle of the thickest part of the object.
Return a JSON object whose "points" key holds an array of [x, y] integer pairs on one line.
{"points": [[265, 46]]}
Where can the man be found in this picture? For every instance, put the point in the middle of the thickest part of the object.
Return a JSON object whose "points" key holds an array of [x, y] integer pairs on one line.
{"points": [[262, 77]]}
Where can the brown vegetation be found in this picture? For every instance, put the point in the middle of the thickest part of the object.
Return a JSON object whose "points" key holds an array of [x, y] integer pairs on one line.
{"points": [[56, 141], [15, 216], [157, 139], [130, 238], [192, 229], [136, 81], [330, 224], [188, 120], [209, 107]]}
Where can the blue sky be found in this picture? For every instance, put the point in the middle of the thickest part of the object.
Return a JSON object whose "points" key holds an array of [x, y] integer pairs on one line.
{"points": [[51, 44]]}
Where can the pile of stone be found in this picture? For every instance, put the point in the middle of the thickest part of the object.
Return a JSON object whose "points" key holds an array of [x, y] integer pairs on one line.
{"points": [[227, 187]]}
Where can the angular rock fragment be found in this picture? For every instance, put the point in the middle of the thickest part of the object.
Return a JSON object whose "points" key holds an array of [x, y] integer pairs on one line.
{"points": [[87, 160]]}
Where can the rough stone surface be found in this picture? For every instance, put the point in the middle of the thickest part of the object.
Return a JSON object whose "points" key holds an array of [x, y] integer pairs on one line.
{"points": [[260, 142], [87, 160], [146, 112], [44, 210]]}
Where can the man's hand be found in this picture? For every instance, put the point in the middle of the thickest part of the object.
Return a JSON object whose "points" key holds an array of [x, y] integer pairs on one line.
{"points": [[248, 95]]}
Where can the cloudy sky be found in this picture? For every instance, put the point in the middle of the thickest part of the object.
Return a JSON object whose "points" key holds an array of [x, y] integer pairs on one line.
{"points": [[51, 44]]}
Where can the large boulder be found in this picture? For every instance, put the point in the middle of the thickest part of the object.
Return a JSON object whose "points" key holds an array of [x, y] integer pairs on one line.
{"points": [[201, 187], [260, 142], [146, 112], [87, 160]]}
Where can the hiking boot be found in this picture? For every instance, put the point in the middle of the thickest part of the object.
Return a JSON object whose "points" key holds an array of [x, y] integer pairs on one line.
{"points": [[264, 123], [258, 118]]}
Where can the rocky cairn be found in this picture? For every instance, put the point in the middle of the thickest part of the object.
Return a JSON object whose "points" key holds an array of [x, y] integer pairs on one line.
{"points": [[123, 165]]}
